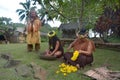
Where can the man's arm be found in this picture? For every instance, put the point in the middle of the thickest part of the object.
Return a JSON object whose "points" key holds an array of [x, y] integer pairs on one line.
{"points": [[89, 50], [71, 45]]}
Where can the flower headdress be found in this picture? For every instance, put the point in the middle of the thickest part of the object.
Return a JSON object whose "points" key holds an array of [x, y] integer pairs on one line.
{"points": [[51, 33]]}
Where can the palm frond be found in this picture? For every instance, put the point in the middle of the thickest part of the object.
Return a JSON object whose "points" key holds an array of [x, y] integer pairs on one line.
{"points": [[22, 17], [20, 13], [20, 10], [24, 5], [28, 3]]}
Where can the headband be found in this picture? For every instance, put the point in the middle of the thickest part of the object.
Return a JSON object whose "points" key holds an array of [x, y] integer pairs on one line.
{"points": [[51, 33]]}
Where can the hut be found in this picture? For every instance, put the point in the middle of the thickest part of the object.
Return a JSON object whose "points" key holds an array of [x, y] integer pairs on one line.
{"points": [[68, 30]]}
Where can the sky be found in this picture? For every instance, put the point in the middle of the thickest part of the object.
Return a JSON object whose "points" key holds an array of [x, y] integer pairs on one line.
{"points": [[8, 9]]}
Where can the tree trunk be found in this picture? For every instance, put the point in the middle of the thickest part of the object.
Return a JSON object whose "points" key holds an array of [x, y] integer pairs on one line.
{"points": [[81, 15]]}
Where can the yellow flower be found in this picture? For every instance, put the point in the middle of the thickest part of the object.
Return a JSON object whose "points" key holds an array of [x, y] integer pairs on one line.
{"points": [[64, 74], [57, 72], [62, 70], [68, 71], [63, 65], [81, 36], [75, 55], [65, 68]]}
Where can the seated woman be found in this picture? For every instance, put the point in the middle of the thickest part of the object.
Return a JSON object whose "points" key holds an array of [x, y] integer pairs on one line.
{"points": [[55, 47], [83, 50]]}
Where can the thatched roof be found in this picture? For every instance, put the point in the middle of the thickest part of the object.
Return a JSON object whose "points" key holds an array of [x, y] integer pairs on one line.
{"points": [[69, 26]]}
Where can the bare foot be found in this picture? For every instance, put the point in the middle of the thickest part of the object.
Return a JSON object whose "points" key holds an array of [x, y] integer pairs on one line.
{"points": [[78, 66]]}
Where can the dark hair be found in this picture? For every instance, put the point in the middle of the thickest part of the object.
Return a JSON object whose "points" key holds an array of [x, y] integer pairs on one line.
{"points": [[82, 31], [53, 40]]}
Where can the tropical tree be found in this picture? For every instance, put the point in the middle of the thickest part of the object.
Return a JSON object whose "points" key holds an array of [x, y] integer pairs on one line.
{"points": [[4, 23], [6, 27], [109, 23], [45, 13], [71, 10], [85, 12], [76, 10]]}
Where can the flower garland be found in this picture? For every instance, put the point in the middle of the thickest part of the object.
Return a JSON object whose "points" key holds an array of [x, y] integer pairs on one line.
{"points": [[51, 35], [81, 36], [75, 55], [66, 69]]}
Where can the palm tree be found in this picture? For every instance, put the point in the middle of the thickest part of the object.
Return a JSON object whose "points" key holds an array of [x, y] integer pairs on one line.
{"points": [[24, 13]]}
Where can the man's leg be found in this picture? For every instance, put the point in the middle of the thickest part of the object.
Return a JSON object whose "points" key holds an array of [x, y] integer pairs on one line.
{"points": [[29, 47], [37, 46]]}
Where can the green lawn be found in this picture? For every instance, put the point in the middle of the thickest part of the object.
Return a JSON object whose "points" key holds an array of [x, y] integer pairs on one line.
{"points": [[19, 51]]}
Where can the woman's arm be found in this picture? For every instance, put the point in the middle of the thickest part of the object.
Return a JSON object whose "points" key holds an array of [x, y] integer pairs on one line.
{"points": [[56, 47]]}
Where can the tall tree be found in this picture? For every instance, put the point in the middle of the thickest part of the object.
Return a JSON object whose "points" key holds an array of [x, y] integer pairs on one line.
{"points": [[72, 10], [5, 23], [46, 13], [6, 27]]}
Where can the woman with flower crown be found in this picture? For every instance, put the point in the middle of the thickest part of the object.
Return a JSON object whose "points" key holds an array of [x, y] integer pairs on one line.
{"points": [[83, 49], [55, 47]]}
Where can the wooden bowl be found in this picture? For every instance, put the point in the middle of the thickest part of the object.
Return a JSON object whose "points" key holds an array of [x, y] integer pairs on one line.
{"points": [[47, 57]]}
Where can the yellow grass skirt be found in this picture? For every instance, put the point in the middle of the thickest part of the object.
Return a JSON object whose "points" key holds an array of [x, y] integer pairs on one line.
{"points": [[33, 38]]}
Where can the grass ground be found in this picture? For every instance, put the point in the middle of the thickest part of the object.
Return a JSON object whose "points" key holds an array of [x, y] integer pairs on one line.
{"points": [[19, 51]]}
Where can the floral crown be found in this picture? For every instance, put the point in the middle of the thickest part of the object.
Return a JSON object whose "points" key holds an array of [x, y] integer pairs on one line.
{"points": [[51, 34]]}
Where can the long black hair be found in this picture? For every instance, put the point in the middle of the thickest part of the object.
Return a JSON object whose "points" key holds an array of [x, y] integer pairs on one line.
{"points": [[53, 40]]}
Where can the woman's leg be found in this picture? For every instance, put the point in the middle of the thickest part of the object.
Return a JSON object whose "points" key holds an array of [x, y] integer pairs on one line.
{"points": [[58, 54]]}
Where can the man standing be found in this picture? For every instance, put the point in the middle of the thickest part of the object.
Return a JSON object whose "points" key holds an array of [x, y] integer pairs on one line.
{"points": [[33, 33]]}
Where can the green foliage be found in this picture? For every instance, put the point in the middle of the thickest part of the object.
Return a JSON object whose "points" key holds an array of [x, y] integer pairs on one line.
{"points": [[113, 39], [7, 27], [19, 25], [44, 39], [4, 24], [46, 28], [80, 11], [5, 20]]}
